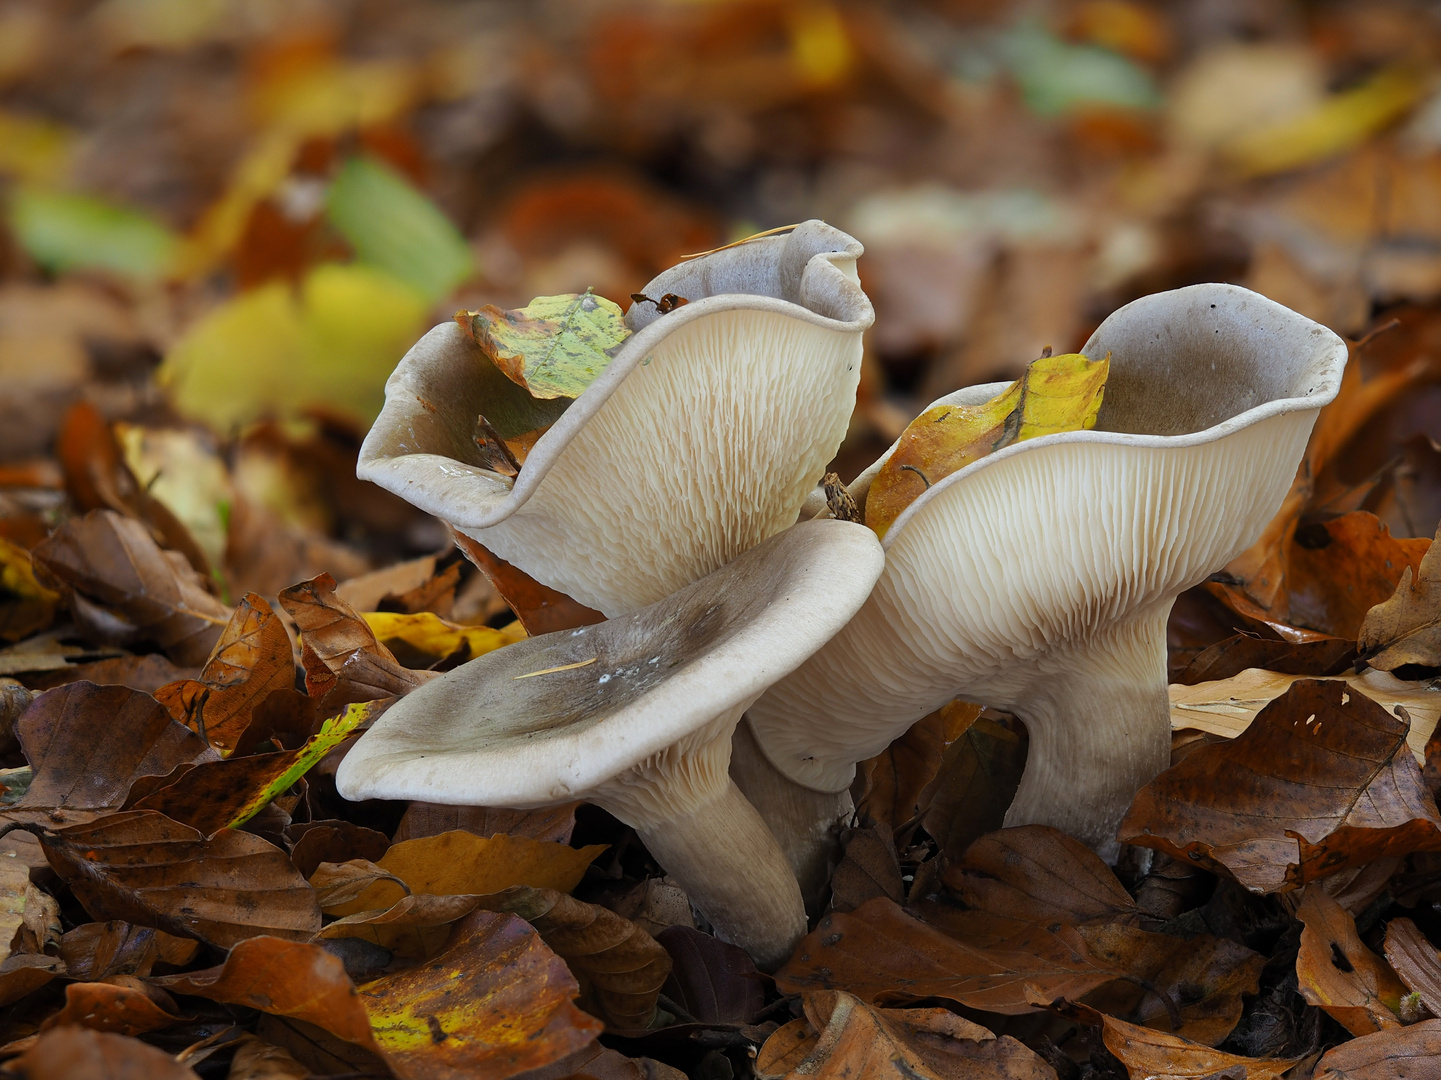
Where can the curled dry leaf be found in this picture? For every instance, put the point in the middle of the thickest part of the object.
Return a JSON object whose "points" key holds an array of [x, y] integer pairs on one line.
{"points": [[333, 841], [978, 778], [122, 1004], [879, 952], [1158, 1056], [1412, 1052], [142, 867], [122, 588], [553, 823], [251, 661], [895, 778], [96, 950], [1405, 628], [1342, 568], [869, 868], [1416, 961], [284, 978], [339, 651], [1320, 781], [621, 966], [413, 927], [540, 609], [1338, 973], [65, 1053], [84, 765], [355, 885], [495, 1003]]}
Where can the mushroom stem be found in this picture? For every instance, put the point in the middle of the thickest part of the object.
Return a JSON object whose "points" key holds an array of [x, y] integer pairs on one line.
{"points": [[1099, 721], [727, 861], [806, 823]]}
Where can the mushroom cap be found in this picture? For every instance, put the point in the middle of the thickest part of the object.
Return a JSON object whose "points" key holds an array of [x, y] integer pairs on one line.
{"points": [[999, 571], [626, 689], [627, 496]]}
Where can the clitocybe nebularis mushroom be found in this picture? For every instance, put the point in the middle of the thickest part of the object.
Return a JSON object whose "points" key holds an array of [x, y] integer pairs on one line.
{"points": [[636, 715], [1039, 579], [702, 437]]}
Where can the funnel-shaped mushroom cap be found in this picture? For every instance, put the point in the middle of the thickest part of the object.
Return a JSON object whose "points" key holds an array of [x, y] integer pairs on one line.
{"points": [[1039, 578], [701, 438], [636, 715]]}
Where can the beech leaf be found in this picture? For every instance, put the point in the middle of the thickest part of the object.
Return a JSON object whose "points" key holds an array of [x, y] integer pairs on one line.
{"points": [[1406, 628], [555, 346], [1338, 973]]}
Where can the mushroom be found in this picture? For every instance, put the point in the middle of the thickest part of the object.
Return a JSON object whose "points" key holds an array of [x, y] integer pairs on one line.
{"points": [[1039, 579], [702, 437], [635, 715]]}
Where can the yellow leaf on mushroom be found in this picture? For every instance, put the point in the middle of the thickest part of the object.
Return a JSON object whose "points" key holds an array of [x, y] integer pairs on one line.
{"points": [[428, 633], [1057, 393]]}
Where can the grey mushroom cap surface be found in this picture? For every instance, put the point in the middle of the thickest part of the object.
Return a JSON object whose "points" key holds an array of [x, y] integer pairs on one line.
{"points": [[636, 714], [1039, 579], [625, 498]]}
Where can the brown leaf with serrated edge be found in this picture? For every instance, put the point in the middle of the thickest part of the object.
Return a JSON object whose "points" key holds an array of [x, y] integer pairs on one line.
{"points": [[414, 926], [553, 823], [144, 868], [714, 981], [1157, 1055], [1413, 1053], [879, 952], [495, 1003], [895, 778], [1405, 628], [843, 1037], [1338, 973], [251, 660], [1342, 568], [122, 1004], [338, 650], [97, 478], [540, 609], [1321, 780], [121, 588], [286, 978], [98, 950], [622, 968], [65, 1053], [1416, 961], [979, 775], [83, 763]]}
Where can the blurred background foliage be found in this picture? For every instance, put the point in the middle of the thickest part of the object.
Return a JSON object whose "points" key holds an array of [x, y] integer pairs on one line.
{"points": [[225, 220]]}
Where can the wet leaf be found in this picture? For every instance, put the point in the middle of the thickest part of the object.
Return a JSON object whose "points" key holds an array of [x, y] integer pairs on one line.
{"points": [[69, 1052], [896, 777], [1406, 627], [621, 967], [1321, 780], [540, 609], [458, 863], [122, 588], [1338, 973], [1385, 1055], [555, 346], [26, 606], [64, 231], [88, 744], [123, 1005], [1057, 393], [251, 661], [395, 228], [142, 867], [553, 823], [337, 648], [1416, 961], [495, 1003], [880, 953], [284, 978], [1159, 1056]]}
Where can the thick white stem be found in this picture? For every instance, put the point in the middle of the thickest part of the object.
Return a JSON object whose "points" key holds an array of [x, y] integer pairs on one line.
{"points": [[806, 823], [1099, 723], [727, 861]]}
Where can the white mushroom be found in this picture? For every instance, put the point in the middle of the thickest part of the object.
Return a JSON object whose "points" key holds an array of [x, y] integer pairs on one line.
{"points": [[636, 715], [1039, 579], [701, 438]]}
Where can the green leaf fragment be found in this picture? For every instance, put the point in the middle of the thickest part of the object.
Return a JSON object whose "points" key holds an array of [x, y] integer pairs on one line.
{"points": [[63, 231], [555, 346], [331, 734]]}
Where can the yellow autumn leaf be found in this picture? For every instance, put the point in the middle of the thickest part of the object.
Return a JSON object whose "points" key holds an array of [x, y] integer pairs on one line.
{"points": [[1057, 393], [428, 633], [26, 606]]}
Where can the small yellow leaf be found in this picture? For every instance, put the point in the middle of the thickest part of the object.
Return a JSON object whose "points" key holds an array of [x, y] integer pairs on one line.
{"points": [[459, 863], [26, 606], [1057, 393], [428, 633]]}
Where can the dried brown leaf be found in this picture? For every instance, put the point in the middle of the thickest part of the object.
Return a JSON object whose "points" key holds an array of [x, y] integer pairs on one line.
{"points": [[1405, 628], [97, 950], [1159, 1056], [868, 868], [66, 1053], [457, 863], [122, 1004], [712, 980], [1338, 973], [539, 608], [1321, 780], [1342, 568], [333, 841], [413, 927], [142, 867], [122, 588], [553, 823], [342, 658], [1416, 961], [979, 775], [895, 778], [1412, 1052]]}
